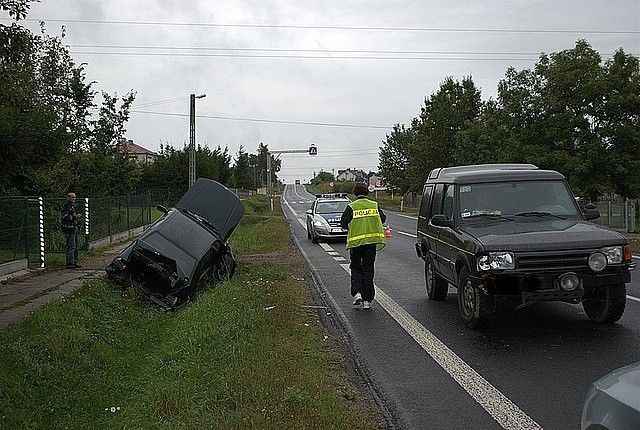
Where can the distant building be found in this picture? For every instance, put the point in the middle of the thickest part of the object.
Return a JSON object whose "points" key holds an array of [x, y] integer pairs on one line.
{"points": [[350, 175], [138, 153]]}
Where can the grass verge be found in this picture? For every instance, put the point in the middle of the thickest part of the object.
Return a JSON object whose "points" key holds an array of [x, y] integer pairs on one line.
{"points": [[245, 354]]}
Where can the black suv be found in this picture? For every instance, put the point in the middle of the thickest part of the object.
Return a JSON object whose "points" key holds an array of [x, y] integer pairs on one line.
{"points": [[516, 231]]}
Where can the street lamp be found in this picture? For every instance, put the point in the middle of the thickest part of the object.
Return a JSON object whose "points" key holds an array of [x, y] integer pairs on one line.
{"points": [[192, 137]]}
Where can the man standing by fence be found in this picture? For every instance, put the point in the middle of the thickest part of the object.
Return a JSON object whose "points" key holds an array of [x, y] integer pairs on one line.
{"points": [[70, 229]]}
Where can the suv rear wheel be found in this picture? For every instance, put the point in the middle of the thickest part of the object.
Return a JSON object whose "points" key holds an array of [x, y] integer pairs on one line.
{"points": [[476, 308], [606, 304], [437, 287]]}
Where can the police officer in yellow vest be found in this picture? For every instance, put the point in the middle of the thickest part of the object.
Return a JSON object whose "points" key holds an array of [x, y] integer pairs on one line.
{"points": [[363, 218]]}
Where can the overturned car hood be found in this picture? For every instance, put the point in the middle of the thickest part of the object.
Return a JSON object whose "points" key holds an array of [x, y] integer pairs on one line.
{"points": [[215, 203]]}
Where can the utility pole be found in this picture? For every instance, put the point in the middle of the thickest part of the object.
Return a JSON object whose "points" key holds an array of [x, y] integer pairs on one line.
{"points": [[192, 137]]}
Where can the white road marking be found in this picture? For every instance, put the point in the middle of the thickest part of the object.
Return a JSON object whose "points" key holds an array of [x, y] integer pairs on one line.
{"points": [[341, 258], [503, 410], [406, 234], [635, 299], [326, 247], [407, 216]]}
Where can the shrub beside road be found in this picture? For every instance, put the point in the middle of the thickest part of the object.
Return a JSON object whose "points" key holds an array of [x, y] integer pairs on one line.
{"points": [[249, 352]]}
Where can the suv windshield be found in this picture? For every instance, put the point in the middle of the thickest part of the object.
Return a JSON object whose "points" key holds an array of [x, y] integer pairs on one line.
{"points": [[506, 199], [331, 207]]}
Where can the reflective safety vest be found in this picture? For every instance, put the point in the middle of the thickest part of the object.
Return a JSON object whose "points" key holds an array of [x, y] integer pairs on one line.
{"points": [[366, 226]]}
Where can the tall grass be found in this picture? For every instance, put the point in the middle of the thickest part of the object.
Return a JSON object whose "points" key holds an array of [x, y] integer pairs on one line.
{"points": [[246, 354]]}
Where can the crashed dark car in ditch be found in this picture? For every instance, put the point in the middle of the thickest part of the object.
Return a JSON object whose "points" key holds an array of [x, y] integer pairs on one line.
{"points": [[185, 249]]}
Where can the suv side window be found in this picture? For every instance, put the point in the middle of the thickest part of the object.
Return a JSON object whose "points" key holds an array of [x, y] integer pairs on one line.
{"points": [[425, 199], [447, 207], [436, 203]]}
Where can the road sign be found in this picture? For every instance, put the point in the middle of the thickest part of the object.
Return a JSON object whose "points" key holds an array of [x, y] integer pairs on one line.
{"points": [[313, 149]]}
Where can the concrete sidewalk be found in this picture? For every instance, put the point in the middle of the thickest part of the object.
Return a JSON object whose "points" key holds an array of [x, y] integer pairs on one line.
{"points": [[23, 292]]}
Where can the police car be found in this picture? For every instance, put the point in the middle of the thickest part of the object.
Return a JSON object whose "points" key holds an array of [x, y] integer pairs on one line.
{"points": [[323, 219]]}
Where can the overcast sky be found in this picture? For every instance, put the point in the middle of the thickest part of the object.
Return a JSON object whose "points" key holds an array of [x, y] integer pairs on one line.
{"points": [[336, 73]]}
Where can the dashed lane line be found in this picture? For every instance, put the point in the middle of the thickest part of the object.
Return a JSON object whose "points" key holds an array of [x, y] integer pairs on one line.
{"points": [[503, 410]]}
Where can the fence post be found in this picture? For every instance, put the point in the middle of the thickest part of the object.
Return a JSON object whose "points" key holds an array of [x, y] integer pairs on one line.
{"points": [[128, 206], [109, 217], [86, 223], [41, 228]]}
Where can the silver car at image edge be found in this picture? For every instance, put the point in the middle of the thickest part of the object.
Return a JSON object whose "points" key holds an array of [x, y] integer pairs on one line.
{"points": [[613, 401]]}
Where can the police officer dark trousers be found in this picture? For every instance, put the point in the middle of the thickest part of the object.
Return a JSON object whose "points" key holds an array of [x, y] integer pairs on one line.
{"points": [[363, 218]]}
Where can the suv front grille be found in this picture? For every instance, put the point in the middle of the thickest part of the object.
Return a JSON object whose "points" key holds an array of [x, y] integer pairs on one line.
{"points": [[565, 260]]}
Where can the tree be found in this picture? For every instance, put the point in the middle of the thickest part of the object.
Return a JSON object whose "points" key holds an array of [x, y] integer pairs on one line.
{"points": [[450, 110], [242, 171], [44, 104], [575, 115], [276, 163], [214, 164], [394, 157], [17, 9], [48, 142], [621, 123]]}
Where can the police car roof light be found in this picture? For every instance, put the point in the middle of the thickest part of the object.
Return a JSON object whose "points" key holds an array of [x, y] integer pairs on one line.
{"points": [[331, 196]]}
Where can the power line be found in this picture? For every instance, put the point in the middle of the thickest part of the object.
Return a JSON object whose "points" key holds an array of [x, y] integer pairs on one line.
{"points": [[272, 121], [303, 57], [314, 57], [323, 51], [337, 27]]}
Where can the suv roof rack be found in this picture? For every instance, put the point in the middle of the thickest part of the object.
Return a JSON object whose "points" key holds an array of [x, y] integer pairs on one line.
{"points": [[435, 173]]}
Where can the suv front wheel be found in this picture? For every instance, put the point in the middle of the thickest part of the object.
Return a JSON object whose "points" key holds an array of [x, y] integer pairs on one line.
{"points": [[606, 304], [476, 308], [437, 287]]}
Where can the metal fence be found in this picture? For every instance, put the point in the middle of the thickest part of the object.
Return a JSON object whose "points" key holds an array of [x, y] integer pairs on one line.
{"points": [[618, 214], [32, 224]]}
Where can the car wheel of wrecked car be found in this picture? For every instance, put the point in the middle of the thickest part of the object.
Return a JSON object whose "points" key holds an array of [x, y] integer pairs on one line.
{"points": [[476, 308], [606, 304], [437, 287], [314, 238]]}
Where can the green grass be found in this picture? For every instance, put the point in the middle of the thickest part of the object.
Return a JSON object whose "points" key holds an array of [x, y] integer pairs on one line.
{"points": [[245, 354]]}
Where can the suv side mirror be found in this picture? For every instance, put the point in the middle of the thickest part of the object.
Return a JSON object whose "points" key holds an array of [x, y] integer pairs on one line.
{"points": [[591, 212], [309, 211], [440, 221], [162, 209]]}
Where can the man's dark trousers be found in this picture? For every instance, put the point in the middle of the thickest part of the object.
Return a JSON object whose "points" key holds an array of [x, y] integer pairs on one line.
{"points": [[362, 259]]}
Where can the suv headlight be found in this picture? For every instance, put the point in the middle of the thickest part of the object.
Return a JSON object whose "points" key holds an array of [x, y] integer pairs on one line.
{"points": [[614, 254], [599, 260], [496, 261]]}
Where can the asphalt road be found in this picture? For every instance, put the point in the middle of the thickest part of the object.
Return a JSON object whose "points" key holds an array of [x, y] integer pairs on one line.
{"points": [[529, 370]]}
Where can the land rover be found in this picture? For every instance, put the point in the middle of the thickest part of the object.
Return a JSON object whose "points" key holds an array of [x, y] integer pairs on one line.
{"points": [[516, 231]]}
